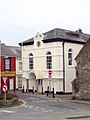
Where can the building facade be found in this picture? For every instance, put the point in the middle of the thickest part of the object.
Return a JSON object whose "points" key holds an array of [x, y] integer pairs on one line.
{"points": [[81, 84], [17, 52], [8, 68], [54, 50]]}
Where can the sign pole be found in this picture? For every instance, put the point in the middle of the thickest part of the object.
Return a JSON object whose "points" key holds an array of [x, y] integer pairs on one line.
{"points": [[4, 90], [50, 85], [5, 97], [50, 75]]}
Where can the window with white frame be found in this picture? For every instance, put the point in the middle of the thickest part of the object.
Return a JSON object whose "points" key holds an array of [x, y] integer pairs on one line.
{"points": [[20, 65], [30, 61], [19, 82], [40, 82], [49, 60], [70, 56], [7, 64]]}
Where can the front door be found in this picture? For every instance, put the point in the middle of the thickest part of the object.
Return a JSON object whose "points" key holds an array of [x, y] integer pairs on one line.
{"points": [[40, 85], [11, 83]]}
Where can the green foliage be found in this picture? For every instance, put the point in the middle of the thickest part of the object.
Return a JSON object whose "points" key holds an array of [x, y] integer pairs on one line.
{"points": [[1, 96], [9, 96]]}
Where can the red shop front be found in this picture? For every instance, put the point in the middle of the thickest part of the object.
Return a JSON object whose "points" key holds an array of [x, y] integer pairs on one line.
{"points": [[8, 82]]}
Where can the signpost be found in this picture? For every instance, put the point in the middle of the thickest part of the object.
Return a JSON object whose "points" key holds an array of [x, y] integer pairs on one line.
{"points": [[50, 73], [4, 87], [50, 76], [4, 90]]}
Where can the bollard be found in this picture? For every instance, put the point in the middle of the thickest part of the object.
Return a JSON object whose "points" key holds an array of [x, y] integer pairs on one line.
{"points": [[23, 89], [33, 90], [42, 90], [53, 93], [47, 90]]}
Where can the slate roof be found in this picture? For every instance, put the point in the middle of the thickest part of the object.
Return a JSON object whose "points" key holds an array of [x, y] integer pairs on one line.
{"points": [[16, 50], [63, 35], [5, 51], [11, 51]]}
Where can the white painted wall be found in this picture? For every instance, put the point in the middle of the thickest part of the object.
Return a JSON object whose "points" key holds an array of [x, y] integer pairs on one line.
{"points": [[70, 70], [18, 71], [40, 59], [40, 70]]}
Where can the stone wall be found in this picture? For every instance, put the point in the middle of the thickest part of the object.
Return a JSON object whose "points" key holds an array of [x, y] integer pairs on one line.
{"points": [[81, 84]]}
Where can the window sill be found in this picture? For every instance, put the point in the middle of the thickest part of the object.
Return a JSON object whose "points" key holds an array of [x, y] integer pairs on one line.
{"points": [[71, 66]]}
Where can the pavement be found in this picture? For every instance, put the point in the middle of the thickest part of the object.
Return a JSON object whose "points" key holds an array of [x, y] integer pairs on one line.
{"points": [[58, 97], [63, 98]]}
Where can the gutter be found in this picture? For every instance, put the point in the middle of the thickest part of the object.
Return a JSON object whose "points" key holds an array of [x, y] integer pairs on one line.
{"points": [[63, 68]]}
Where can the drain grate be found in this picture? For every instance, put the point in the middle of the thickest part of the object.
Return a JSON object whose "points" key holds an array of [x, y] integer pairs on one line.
{"points": [[78, 117]]}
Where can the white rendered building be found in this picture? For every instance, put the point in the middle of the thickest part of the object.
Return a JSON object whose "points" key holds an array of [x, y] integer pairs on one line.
{"points": [[54, 50]]}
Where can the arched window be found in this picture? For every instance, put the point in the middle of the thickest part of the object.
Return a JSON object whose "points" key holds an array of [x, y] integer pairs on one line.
{"points": [[30, 61], [70, 56], [49, 60]]}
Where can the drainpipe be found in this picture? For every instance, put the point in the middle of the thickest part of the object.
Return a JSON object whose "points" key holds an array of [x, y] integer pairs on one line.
{"points": [[27, 85], [63, 69]]}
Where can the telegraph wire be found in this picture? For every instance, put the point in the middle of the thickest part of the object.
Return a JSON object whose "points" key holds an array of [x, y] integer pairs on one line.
{"points": [[16, 26]]}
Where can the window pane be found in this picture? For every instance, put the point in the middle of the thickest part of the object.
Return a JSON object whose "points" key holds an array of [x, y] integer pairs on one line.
{"points": [[19, 82], [70, 50], [70, 58], [7, 64], [49, 60], [49, 53], [30, 61], [20, 65]]}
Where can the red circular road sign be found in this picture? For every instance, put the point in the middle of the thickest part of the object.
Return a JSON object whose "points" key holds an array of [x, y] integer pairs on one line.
{"points": [[50, 73], [4, 88]]}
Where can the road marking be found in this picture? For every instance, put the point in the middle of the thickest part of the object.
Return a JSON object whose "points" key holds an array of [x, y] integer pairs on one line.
{"points": [[37, 108], [42, 101], [30, 106], [45, 111], [36, 101], [78, 117], [42, 108], [25, 106], [7, 111], [50, 110], [31, 98]]}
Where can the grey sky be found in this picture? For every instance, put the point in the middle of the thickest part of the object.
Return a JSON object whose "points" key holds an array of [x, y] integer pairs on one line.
{"points": [[22, 19]]}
